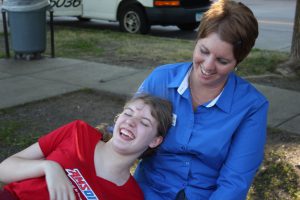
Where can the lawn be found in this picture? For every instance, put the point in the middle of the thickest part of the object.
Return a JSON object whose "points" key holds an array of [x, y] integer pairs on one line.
{"points": [[278, 177]]}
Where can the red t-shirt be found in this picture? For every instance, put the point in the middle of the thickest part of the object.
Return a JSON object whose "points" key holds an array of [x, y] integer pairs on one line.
{"points": [[73, 146]]}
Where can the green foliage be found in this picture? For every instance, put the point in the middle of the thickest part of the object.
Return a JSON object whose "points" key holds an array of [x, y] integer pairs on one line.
{"points": [[75, 43], [6, 111], [261, 62], [159, 49], [276, 179], [8, 136], [7, 129], [86, 43]]}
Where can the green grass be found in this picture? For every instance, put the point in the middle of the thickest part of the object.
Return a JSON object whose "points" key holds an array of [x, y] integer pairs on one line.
{"points": [[159, 49], [10, 138], [276, 179], [261, 62], [7, 130], [85, 43], [73, 43]]}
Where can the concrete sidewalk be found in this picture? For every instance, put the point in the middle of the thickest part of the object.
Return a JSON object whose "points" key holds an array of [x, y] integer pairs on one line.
{"points": [[26, 81]]}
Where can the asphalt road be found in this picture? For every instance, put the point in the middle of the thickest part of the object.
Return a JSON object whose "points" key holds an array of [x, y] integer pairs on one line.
{"points": [[275, 18], [276, 21]]}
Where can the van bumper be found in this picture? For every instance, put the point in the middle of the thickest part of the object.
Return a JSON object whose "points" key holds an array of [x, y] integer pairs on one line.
{"points": [[174, 16]]}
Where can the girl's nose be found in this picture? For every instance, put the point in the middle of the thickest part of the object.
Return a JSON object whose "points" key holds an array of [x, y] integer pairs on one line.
{"points": [[131, 122]]}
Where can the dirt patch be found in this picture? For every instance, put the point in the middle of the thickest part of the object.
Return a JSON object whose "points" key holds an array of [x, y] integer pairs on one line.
{"points": [[287, 145], [32, 120], [276, 80], [37, 118], [40, 117]]}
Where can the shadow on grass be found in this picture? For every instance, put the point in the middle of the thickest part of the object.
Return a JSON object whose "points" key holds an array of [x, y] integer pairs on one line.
{"points": [[21, 126]]}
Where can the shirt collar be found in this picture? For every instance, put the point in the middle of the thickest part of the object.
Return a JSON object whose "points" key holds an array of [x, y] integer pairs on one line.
{"points": [[180, 75], [223, 100], [214, 101], [185, 83]]}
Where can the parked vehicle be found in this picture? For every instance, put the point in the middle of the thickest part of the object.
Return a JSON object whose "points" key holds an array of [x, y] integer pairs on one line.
{"points": [[136, 16]]}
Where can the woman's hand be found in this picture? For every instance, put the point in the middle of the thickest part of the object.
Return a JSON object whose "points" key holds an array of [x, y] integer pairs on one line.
{"points": [[59, 185]]}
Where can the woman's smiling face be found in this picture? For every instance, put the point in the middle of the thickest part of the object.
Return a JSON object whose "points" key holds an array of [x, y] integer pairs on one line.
{"points": [[213, 60], [135, 129]]}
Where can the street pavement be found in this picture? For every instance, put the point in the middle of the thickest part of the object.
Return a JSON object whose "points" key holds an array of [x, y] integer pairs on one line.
{"points": [[24, 81]]}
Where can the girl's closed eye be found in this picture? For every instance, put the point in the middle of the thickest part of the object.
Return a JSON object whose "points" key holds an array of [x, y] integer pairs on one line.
{"points": [[204, 51], [145, 123], [128, 114]]}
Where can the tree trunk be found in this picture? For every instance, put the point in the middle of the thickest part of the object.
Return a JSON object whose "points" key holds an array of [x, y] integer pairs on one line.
{"points": [[292, 67], [295, 49]]}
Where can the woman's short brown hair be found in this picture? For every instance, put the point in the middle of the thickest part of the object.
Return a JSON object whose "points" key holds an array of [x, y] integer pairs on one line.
{"points": [[234, 22]]}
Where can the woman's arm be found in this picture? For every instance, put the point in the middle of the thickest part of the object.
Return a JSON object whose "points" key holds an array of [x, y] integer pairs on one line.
{"points": [[244, 158]]}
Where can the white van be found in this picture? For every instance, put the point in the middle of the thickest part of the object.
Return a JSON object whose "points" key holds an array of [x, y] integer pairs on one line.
{"points": [[136, 16]]}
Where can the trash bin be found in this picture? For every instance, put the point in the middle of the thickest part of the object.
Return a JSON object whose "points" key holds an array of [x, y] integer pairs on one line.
{"points": [[27, 22]]}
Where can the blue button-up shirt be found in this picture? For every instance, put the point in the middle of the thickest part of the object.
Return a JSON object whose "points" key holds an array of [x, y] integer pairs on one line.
{"points": [[212, 152]]}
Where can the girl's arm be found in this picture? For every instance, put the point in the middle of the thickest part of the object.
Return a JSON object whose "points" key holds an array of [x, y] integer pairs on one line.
{"points": [[30, 163]]}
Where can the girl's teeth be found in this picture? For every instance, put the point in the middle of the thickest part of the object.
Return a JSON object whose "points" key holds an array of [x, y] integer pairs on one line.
{"points": [[127, 134]]}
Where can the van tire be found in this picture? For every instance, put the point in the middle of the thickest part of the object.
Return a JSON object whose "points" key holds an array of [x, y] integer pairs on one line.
{"points": [[134, 20]]}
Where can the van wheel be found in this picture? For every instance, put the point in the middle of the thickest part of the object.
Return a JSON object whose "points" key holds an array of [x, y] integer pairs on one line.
{"points": [[134, 20], [188, 27]]}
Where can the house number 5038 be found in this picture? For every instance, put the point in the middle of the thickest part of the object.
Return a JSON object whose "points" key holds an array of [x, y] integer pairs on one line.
{"points": [[65, 3]]}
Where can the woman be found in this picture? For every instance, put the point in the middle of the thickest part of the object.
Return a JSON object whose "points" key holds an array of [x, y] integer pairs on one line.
{"points": [[216, 143], [73, 162]]}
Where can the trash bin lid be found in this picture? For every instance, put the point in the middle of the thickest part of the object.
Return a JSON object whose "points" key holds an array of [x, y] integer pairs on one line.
{"points": [[24, 5]]}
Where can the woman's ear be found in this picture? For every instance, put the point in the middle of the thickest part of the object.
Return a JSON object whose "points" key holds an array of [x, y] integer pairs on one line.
{"points": [[156, 141]]}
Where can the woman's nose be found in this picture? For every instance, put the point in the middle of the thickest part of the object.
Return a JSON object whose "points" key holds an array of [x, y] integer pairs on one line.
{"points": [[208, 64]]}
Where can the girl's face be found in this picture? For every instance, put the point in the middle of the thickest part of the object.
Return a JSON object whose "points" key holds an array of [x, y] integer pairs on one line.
{"points": [[135, 129], [213, 60]]}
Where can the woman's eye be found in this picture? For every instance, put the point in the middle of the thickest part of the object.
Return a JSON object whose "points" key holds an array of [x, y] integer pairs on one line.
{"points": [[223, 62]]}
